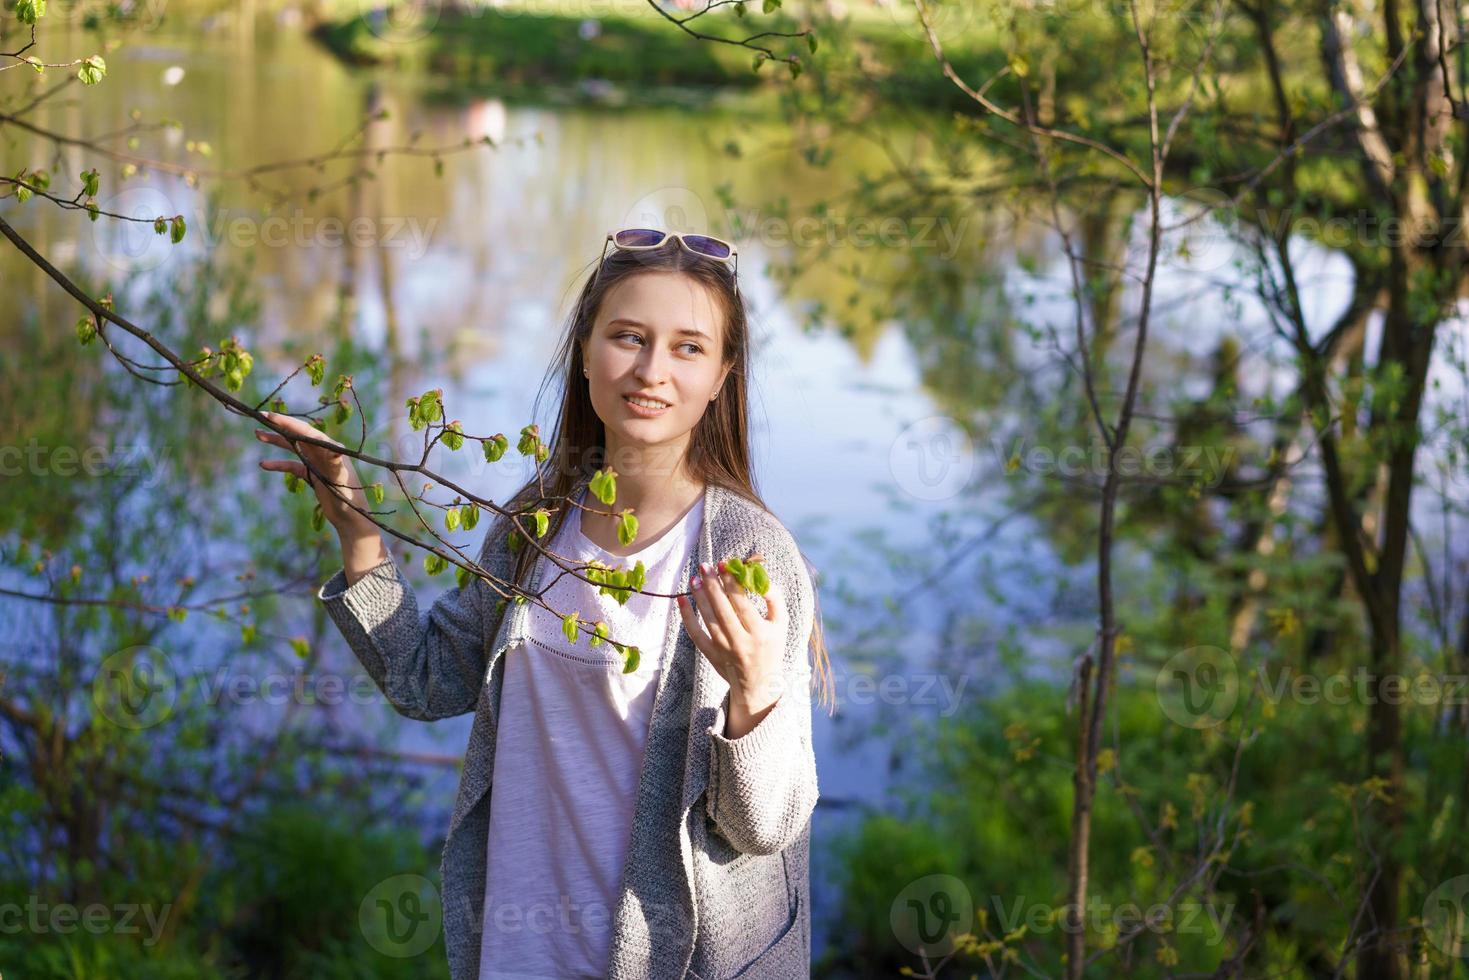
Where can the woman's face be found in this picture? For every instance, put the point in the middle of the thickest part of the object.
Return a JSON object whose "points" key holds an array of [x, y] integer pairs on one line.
{"points": [[658, 335]]}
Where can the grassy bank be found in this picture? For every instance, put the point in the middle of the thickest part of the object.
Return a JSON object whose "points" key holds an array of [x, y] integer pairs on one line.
{"points": [[625, 55]]}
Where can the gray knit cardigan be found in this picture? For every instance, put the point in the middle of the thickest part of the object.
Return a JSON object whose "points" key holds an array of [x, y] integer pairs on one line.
{"points": [[716, 880]]}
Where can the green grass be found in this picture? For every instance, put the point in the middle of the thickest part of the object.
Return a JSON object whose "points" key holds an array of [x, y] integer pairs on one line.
{"points": [[534, 49]]}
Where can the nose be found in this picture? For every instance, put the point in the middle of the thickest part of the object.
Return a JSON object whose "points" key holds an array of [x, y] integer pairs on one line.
{"points": [[649, 367]]}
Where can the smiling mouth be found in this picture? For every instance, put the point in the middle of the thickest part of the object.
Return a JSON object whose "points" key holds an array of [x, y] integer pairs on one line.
{"points": [[650, 403]]}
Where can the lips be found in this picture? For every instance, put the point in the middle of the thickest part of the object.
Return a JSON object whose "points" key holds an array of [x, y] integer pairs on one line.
{"points": [[644, 412]]}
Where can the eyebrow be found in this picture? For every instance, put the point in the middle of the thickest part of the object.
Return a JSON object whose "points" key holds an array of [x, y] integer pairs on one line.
{"points": [[681, 331]]}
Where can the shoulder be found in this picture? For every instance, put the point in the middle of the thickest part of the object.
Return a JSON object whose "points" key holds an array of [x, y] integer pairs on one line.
{"points": [[742, 526]]}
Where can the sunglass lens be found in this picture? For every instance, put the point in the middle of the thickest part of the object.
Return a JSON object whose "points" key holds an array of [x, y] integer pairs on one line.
{"points": [[637, 236], [711, 247]]}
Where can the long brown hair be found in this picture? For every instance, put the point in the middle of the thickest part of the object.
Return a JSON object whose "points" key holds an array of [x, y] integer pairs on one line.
{"points": [[719, 449]]}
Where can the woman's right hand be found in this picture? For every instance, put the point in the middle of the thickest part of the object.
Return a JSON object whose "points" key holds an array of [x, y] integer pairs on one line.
{"points": [[335, 466]]}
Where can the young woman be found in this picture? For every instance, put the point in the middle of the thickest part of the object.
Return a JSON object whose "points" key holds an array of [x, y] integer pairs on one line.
{"points": [[652, 822]]}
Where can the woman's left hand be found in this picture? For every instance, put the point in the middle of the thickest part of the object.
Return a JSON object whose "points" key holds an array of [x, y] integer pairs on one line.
{"points": [[744, 647]]}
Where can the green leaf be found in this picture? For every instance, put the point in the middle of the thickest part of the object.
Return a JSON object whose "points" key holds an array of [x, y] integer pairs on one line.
{"points": [[543, 522], [495, 447], [247, 633], [627, 528], [514, 541], [434, 563], [318, 519], [315, 368], [30, 11], [375, 492], [22, 194], [89, 182], [469, 516], [293, 482], [176, 229], [529, 439], [599, 634], [604, 485], [451, 518], [769, 5], [86, 329], [568, 626], [811, 42], [631, 658], [795, 66], [453, 435], [91, 70], [301, 648], [759, 578], [462, 576]]}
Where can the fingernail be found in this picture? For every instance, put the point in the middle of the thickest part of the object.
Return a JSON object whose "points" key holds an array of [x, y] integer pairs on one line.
{"points": [[698, 582]]}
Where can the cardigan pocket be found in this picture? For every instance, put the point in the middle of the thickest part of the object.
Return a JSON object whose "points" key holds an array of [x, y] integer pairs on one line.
{"points": [[785, 958]]}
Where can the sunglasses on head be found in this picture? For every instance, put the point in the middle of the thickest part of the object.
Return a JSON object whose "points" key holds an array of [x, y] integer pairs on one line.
{"points": [[642, 239]]}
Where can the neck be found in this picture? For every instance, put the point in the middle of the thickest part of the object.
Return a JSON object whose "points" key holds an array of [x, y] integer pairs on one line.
{"points": [[658, 488]]}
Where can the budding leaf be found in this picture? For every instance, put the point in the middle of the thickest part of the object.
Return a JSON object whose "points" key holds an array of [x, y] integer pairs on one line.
{"points": [[627, 528], [543, 522], [375, 492], [86, 330], [495, 447], [631, 657], [434, 563], [604, 485], [176, 229], [568, 626], [91, 70]]}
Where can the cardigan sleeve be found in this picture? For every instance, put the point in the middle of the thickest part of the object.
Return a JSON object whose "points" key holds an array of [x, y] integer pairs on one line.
{"points": [[428, 665], [762, 785]]}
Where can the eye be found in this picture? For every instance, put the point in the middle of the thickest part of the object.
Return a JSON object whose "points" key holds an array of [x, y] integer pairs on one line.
{"points": [[694, 349]]}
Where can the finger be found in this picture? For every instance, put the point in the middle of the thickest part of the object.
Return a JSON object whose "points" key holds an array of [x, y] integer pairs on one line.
{"points": [[725, 616], [298, 427], [744, 610], [695, 629], [775, 607], [706, 610], [266, 436], [285, 466]]}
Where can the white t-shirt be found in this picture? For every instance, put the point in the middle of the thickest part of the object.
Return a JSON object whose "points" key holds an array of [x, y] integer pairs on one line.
{"points": [[568, 754]]}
